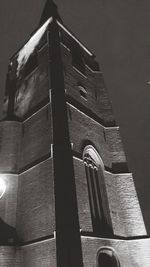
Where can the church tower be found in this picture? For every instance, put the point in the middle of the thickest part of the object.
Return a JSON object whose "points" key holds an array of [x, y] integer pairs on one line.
{"points": [[67, 198]]}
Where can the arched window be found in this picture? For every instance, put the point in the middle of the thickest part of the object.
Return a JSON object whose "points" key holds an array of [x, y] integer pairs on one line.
{"points": [[94, 168], [107, 258]]}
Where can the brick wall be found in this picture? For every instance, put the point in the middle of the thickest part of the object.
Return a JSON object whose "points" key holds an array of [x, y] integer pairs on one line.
{"points": [[96, 99], [91, 247], [41, 254], [114, 142], [9, 257], [139, 252], [129, 253], [36, 138], [92, 132], [10, 133], [125, 211], [36, 211], [124, 207], [31, 196]]}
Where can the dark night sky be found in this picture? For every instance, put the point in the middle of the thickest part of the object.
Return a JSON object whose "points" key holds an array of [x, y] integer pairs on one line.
{"points": [[118, 32]]}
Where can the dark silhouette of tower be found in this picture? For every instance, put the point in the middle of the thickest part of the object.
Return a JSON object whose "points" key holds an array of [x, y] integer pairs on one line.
{"points": [[50, 10], [67, 197]]}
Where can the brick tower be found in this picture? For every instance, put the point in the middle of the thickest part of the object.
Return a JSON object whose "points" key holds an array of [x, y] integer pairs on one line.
{"points": [[67, 198]]}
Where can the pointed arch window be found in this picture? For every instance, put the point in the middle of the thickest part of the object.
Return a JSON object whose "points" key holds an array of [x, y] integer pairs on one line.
{"points": [[97, 195], [107, 258]]}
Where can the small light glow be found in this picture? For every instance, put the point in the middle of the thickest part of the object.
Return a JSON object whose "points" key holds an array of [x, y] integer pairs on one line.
{"points": [[2, 187]]}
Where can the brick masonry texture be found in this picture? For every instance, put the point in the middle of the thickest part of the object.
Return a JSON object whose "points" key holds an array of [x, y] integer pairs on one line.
{"points": [[97, 98], [10, 133], [9, 257], [114, 142], [124, 207], [36, 211], [26, 164], [138, 251], [126, 216], [133, 253], [41, 254], [36, 137], [24, 143], [94, 133], [90, 131]]}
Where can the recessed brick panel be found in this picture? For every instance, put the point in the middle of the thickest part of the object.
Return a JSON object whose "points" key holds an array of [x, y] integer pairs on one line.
{"points": [[36, 137], [10, 135], [36, 211]]}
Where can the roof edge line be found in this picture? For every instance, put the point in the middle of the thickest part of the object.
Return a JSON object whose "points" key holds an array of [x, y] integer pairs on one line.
{"points": [[28, 39], [75, 38]]}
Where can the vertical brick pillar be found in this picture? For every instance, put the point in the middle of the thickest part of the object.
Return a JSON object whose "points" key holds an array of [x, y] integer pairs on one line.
{"points": [[67, 224]]}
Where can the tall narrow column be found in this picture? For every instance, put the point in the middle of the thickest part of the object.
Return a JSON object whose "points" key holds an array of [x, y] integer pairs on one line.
{"points": [[67, 224]]}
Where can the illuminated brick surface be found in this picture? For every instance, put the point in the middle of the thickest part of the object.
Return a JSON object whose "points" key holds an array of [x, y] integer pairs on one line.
{"points": [[31, 142]]}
